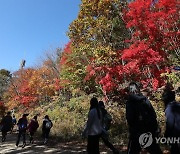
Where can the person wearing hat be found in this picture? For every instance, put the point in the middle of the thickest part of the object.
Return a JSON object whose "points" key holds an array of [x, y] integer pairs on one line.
{"points": [[22, 126], [6, 125]]}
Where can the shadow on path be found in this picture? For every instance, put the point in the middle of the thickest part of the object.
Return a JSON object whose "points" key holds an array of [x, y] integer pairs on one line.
{"points": [[38, 148]]}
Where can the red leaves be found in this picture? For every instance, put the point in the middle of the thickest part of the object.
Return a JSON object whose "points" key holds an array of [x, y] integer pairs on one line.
{"points": [[135, 50], [145, 59], [141, 54], [24, 89], [57, 84], [107, 83], [25, 96], [66, 53], [26, 100], [154, 31], [131, 68], [154, 23]]}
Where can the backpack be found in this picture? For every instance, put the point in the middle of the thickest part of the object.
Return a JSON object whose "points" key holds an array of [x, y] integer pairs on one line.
{"points": [[107, 121], [146, 117], [48, 125], [22, 126]]}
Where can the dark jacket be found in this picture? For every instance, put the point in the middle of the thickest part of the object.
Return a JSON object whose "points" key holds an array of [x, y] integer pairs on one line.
{"points": [[32, 127], [22, 124], [168, 96], [103, 112], [172, 113], [6, 123], [44, 128], [136, 104]]}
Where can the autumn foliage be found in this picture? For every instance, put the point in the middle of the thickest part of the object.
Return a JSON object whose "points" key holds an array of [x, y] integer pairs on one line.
{"points": [[112, 43], [29, 86], [154, 38]]}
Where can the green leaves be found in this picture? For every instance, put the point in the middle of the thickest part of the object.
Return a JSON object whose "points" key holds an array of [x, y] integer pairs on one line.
{"points": [[4, 81]]}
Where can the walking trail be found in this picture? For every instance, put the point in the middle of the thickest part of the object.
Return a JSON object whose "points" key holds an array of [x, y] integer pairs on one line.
{"points": [[53, 147], [8, 147]]}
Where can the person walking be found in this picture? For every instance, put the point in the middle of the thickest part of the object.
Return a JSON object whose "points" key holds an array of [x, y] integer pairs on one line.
{"points": [[46, 127], [22, 127], [172, 113], [93, 127], [106, 122], [141, 119], [32, 127], [6, 125]]}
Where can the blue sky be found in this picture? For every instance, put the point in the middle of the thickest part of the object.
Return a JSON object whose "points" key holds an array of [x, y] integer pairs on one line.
{"points": [[28, 28]]}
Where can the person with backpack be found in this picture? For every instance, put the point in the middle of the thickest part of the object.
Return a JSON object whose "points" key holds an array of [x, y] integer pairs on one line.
{"points": [[6, 125], [141, 119], [32, 127], [106, 123], [172, 113], [93, 127], [46, 127], [22, 127]]}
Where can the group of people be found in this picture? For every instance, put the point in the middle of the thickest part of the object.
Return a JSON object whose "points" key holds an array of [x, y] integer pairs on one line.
{"points": [[23, 127], [141, 118]]}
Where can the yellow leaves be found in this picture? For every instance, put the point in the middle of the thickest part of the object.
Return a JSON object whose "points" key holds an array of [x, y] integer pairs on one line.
{"points": [[11, 104], [102, 50]]}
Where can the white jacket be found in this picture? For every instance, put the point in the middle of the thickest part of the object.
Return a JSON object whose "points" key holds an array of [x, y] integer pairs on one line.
{"points": [[93, 125]]}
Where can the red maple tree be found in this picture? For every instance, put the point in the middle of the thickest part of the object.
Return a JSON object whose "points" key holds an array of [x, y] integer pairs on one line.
{"points": [[154, 36]]}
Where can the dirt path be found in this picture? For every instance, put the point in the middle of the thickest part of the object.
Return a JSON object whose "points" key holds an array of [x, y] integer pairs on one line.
{"points": [[38, 148]]}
